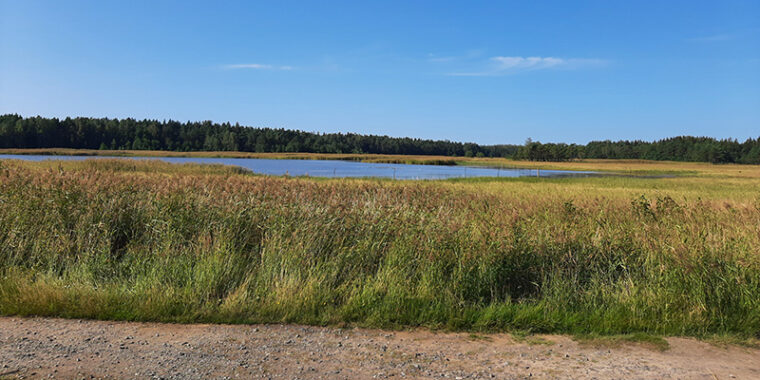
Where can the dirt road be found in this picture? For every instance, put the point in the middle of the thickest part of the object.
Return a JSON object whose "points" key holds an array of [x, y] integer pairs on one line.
{"points": [[74, 349]]}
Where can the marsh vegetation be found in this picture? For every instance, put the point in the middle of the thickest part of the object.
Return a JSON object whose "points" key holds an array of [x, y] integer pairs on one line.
{"points": [[146, 240]]}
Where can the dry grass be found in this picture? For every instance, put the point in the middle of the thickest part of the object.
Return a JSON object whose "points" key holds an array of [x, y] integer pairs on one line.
{"points": [[613, 341], [153, 241], [632, 167]]}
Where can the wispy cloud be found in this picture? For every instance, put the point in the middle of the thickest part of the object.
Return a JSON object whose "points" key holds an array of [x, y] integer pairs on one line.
{"points": [[730, 36], [510, 65], [715, 37], [255, 66], [469, 55], [433, 58]]}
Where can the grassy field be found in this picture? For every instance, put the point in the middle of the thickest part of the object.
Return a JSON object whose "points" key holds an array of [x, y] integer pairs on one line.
{"points": [[378, 158], [142, 240], [628, 167]]}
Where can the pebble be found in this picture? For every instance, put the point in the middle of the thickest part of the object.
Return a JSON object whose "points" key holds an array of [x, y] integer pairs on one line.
{"points": [[294, 351]]}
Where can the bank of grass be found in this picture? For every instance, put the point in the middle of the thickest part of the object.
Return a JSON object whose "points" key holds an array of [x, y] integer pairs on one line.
{"points": [[610, 341], [371, 158], [624, 167], [143, 240]]}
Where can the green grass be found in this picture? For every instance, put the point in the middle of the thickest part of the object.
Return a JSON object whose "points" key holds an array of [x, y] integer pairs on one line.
{"points": [[644, 339], [731, 340], [152, 241], [624, 167], [480, 337], [525, 336]]}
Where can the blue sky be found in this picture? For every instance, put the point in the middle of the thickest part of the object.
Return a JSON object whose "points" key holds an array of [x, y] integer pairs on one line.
{"points": [[487, 72]]}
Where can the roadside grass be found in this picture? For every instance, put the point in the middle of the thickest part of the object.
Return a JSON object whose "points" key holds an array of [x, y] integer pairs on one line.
{"points": [[612, 341], [731, 340], [524, 336], [480, 337], [597, 256], [9, 375]]}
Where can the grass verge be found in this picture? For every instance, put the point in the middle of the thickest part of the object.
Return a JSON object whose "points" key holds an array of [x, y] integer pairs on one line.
{"points": [[643, 339], [151, 241]]}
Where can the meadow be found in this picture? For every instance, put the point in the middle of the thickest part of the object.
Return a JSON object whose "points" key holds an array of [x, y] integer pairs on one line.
{"points": [[626, 167], [151, 241]]}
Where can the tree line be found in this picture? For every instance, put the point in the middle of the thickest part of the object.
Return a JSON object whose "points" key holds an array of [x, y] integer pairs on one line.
{"points": [[104, 133], [681, 148]]}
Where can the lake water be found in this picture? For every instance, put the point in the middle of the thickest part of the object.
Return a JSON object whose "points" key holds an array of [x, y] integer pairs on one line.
{"points": [[333, 168]]}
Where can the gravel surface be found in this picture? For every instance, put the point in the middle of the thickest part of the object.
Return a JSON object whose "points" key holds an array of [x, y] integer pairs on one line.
{"points": [[77, 349]]}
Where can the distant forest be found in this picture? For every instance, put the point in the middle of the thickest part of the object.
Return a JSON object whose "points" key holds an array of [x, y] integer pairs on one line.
{"points": [[103, 133]]}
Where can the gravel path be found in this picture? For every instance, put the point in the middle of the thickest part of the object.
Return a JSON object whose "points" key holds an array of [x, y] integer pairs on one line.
{"points": [[76, 349]]}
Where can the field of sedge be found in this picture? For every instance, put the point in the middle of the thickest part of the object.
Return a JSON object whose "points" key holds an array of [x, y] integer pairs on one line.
{"points": [[152, 241]]}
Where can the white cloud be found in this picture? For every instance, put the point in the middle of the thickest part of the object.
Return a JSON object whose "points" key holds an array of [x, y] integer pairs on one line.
{"points": [[256, 66], [509, 65]]}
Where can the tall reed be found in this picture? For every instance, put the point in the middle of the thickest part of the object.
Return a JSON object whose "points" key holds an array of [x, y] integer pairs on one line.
{"points": [[160, 242]]}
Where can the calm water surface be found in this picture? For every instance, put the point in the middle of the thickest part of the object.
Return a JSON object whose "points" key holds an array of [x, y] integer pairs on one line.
{"points": [[332, 168]]}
